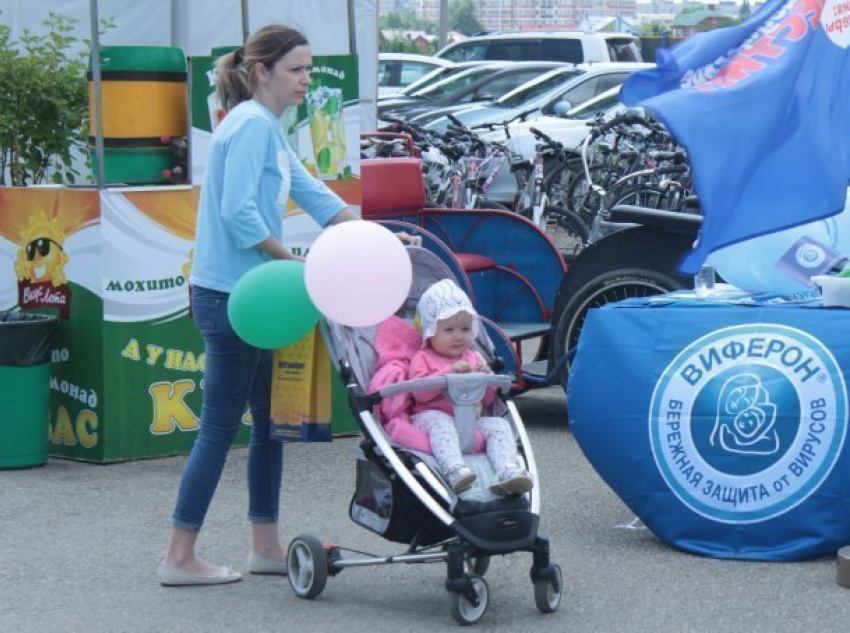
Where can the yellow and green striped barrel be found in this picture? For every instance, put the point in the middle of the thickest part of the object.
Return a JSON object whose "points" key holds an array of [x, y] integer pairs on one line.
{"points": [[143, 100]]}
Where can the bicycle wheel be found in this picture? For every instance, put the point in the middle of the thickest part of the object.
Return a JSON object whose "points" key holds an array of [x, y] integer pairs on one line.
{"points": [[631, 263], [483, 203], [581, 199], [566, 230], [558, 181], [640, 196], [606, 287]]}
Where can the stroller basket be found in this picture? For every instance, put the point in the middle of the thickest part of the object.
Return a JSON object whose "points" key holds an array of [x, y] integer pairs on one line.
{"points": [[383, 504]]}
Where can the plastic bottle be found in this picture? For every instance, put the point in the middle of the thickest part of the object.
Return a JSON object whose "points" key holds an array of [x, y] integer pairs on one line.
{"points": [[704, 279]]}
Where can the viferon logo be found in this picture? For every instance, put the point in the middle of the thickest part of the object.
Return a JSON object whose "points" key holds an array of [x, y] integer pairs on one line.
{"points": [[748, 421]]}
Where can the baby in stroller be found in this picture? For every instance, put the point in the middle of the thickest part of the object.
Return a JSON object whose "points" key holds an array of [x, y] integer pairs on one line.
{"points": [[449, 324], [401, 491]]}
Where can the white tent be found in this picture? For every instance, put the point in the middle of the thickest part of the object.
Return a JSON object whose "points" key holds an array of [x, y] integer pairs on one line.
{"points": [[333, 27]]}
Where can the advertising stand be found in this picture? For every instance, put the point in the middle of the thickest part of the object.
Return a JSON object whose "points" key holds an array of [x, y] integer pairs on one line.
{"points": [[127, 365]]}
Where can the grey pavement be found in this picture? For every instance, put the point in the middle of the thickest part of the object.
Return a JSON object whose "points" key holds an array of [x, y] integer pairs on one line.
{"points": [[79, 546]]}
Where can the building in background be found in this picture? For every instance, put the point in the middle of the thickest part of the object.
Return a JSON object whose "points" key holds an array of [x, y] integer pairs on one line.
{"points": [[399, 6], [511, 15], [706, 19], [593, 15]]}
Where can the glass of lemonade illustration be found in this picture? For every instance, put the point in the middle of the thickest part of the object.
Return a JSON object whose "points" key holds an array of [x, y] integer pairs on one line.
{"points": [[327, 130]]}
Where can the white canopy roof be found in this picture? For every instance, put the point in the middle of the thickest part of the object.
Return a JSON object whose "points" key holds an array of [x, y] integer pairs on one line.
{"points": [[199, 25]]}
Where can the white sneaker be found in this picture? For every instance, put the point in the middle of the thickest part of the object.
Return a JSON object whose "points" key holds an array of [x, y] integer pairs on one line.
{"points": [[513, 482], [460, 477]]}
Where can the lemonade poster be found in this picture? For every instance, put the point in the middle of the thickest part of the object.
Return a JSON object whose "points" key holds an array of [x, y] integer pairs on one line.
{"points": [[325, 128]]}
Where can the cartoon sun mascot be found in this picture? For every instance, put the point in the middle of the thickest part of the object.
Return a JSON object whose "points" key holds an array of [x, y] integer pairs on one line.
{"points": [[42, 257]]}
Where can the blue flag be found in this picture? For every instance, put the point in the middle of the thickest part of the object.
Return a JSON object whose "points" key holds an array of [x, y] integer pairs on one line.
{"points": [[763, 109]]}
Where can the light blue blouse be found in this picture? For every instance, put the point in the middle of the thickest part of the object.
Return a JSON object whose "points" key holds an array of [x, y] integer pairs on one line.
{"points": [[251, 171]]}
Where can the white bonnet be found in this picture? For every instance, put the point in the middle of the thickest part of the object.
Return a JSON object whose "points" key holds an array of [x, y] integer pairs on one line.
{"points": [[442, 300]]}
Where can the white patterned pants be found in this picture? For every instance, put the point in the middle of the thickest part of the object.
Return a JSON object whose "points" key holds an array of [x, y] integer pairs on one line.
{"points": [[445, 445]]}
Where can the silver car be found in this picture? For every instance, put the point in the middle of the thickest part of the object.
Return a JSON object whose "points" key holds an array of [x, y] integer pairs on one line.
{"points": [[553, 93]]}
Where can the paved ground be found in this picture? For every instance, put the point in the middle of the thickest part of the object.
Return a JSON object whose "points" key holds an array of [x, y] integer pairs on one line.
{"points": [[79, 545]]}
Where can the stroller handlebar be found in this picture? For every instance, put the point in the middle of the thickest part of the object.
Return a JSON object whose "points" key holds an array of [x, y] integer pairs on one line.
{"points": [[460, 388]]}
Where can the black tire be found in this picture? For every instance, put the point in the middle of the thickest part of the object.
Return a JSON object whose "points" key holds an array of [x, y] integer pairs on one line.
{"points": [[607, 287], [547, 593], [463, 612], [566, 230], [307, 566], [638, 261]]}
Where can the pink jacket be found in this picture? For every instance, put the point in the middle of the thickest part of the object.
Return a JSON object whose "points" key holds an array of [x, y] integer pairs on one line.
{"points": [[396, 342], [426, 363]]}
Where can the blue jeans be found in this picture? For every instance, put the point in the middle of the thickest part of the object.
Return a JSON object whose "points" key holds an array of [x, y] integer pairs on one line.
{"points": [[235, 374]]}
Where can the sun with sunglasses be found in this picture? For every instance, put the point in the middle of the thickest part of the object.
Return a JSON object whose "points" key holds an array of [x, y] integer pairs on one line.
{"points": [[42, 256]]}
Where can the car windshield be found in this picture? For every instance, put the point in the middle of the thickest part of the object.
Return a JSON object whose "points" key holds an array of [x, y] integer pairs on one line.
{"points": [[453, 84], [430, 79], [534, 89], [590, 109]]}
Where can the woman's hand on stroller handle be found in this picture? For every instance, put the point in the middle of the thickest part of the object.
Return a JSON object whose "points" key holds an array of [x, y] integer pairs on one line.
{"points": [[408, 239]]}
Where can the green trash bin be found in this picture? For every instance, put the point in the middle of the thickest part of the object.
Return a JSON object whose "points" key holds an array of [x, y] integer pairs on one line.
{"points": [[26, 341]]}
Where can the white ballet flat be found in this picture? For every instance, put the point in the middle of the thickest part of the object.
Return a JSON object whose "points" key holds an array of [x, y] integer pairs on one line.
{"points": [[171, 576], [259, 565]]}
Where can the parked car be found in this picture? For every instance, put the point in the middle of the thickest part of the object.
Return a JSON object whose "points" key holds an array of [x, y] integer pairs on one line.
{"points": [[437, 74], [555, 92], [479, 84], [398, 70], [561, 46], [498, 85]]}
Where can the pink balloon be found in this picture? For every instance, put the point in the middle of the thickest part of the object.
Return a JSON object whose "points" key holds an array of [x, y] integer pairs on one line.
{"points": [[358, 273]]}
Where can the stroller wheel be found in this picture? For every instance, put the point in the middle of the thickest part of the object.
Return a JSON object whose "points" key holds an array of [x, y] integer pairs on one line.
{"points": [[548, 591], [462, 610], [476, 565], [307, 566]]}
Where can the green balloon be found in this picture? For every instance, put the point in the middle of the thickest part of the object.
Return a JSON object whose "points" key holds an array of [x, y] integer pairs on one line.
{"points": [[269, 306]]}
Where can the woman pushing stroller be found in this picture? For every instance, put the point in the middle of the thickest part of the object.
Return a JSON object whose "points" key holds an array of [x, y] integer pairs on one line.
{"points": [[449, 324]]}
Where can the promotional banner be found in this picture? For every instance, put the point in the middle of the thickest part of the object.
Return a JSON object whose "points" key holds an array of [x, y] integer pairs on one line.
{"points": [[728, 437], [50, 261], [152, 353], [127, 366]]}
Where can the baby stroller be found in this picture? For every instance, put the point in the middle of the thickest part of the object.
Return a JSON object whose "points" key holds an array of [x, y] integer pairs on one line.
{"points": [[400, 493]]}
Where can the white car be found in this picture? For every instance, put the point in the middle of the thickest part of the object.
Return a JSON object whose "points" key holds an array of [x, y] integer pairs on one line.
{"points": [[574, 47], [398, 70]]}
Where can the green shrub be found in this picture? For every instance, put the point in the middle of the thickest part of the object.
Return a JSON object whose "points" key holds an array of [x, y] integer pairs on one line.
{"points": [[44, 111]]}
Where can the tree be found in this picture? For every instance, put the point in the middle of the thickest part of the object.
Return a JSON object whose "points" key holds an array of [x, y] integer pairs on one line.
{"points": [[690, 8], [397, 20], [745, 11], [402, 45], [653, 28], [462, 17], [44, 110]]}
